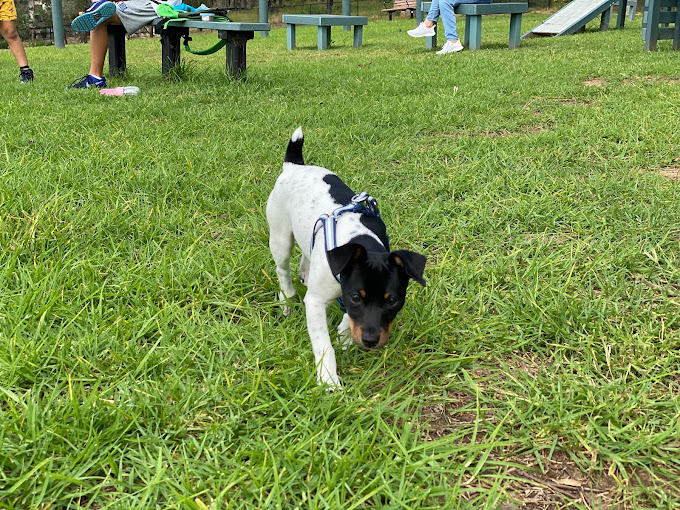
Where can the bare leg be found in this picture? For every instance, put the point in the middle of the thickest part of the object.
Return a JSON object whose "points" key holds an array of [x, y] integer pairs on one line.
{"points": [[99, 45], [8, 30]]}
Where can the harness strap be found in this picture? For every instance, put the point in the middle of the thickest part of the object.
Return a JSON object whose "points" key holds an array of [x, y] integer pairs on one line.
{"points": [[362, 203]]}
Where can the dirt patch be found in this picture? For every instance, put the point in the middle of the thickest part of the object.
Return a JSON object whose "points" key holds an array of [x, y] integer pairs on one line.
{"points": [[454, 413], [557, 482], [595, 82], [527, 362], [541, 479], [670, 172], [458, 409]]}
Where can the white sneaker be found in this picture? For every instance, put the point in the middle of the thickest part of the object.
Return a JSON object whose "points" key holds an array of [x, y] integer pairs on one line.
{"points": [[450, 47], [422, 31]]}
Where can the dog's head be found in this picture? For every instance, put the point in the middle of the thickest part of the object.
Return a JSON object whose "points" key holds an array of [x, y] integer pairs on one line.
{"points": [[373, 288]]}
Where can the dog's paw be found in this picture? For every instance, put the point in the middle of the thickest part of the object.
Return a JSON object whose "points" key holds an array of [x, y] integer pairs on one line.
{"points": [[327, 375], [332, 383], [285, 307]]}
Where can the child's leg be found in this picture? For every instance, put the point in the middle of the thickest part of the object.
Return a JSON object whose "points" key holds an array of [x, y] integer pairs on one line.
{"points": [[8, 30], [99, 45]]}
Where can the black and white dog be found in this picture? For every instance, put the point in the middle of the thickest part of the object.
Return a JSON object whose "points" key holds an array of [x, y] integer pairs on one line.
{"points": [[345, 253]]}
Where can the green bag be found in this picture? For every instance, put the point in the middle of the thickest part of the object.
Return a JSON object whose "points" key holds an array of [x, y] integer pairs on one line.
{"points": [[167, 12]]}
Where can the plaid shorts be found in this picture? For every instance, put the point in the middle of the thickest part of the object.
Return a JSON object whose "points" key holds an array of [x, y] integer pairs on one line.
{"points": [[7, 10]]}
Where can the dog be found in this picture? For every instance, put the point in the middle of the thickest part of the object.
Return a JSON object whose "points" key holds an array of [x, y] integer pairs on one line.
{"points": [[345, 254]]}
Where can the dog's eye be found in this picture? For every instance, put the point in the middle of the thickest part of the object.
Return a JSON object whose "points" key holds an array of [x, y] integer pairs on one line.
{"points": [[355, 298], [392, 302]]}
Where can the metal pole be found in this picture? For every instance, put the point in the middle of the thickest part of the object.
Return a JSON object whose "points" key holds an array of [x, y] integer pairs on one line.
{"points": [[346, 11], [264, 15], [58, 24]]}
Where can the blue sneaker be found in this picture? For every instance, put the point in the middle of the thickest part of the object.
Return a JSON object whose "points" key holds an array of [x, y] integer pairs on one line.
{"points": [[94, 15], [86, 82], [26, 75]]}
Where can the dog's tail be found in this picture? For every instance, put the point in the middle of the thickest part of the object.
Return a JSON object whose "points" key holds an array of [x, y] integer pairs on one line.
{"points": [[294, 150]]}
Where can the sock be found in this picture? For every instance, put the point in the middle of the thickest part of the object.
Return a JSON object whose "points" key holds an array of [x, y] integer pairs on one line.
{"points": [[24, 68], [96, 77]]}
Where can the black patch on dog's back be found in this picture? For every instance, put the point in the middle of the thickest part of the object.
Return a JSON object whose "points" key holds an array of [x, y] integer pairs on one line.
{"points": [[376, 225], [339, 191], [342, 195]]}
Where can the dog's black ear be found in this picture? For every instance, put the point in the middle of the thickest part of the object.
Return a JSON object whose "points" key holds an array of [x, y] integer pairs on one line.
{"points": [[412, 262], [339, 258]]}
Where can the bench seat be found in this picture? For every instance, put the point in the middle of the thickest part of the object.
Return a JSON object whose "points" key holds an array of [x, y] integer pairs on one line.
{"points": [[324, 22], [473, 21], [236, 36], [400, 6]]}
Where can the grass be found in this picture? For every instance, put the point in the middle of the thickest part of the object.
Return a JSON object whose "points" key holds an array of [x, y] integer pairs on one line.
{"points": [[145, 364]]}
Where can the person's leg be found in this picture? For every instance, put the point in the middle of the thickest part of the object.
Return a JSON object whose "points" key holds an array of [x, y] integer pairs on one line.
{"points": [[449, 18], [448, 15], [8, 30], [132, 14], [450, 7], [99, 45], [432, 14], [425, 29]]}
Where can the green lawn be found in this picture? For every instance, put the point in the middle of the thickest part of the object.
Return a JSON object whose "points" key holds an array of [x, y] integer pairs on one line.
{"points": [[144, 362]]}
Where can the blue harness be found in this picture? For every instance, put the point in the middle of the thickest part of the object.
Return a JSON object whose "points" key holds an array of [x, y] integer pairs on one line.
{"points": [[362, 203]]}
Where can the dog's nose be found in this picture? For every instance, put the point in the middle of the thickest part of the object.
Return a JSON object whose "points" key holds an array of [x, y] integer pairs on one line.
{"points": [[370, 341]]}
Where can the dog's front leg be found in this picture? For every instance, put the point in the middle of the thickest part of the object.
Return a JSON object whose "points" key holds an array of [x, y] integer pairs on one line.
{"points": [[324, 354], [344, 332]]}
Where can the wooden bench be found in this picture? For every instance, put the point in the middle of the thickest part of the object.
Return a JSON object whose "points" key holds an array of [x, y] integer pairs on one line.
{"points": [[324, 22], [400, 6], [473, 22], [236, 36]]}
